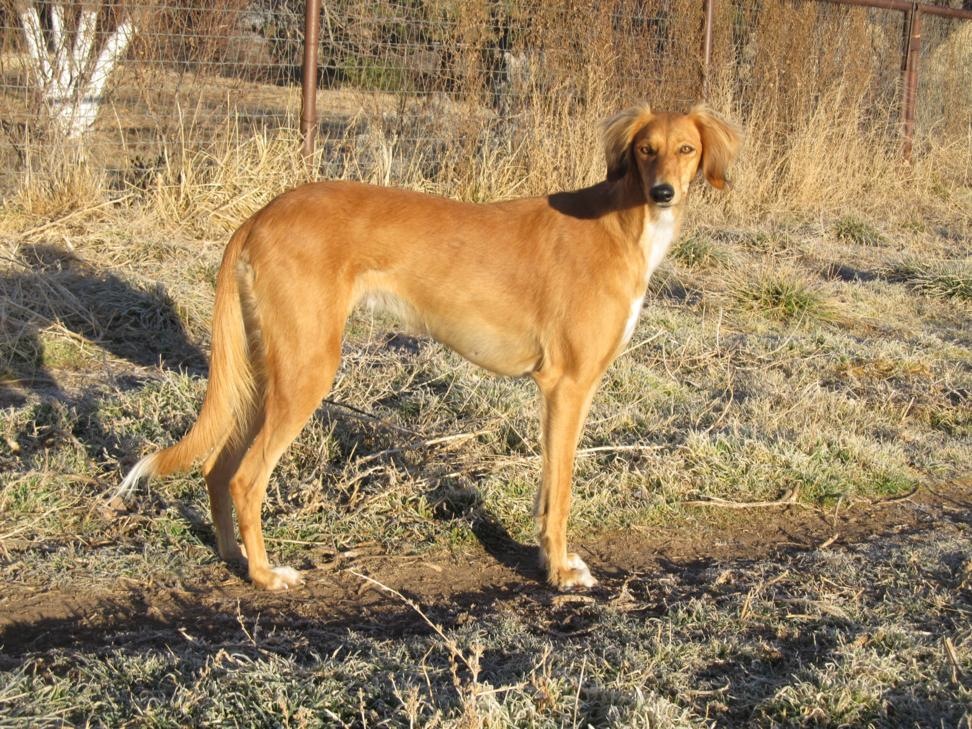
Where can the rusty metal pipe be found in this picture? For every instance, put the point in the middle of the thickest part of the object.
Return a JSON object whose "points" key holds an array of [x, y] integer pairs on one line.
{"points": [[945, 12], [901, 5], [308, 105], [910, 91], [905, 7], [709, 10], [911, 54]]}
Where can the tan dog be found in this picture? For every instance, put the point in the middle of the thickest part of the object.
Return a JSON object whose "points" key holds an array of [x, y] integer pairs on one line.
{"points": [[549, 287]]}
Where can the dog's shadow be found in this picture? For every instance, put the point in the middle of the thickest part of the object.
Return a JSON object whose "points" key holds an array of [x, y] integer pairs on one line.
{"points": [[53, 304], [452, 501], [466, 504]]}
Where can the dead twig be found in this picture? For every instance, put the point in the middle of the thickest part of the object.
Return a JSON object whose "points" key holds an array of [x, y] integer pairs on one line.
{"points": [[449, 643], [746, 609], [582, 452], [36, 520], [424, 444], [895, 499], [829, 541], [616, 449], [365, 415], [788, 499], [73, 214], [954, 668]]}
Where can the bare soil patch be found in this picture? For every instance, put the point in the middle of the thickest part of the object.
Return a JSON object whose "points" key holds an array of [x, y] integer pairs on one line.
{"points": [[655, 568]]}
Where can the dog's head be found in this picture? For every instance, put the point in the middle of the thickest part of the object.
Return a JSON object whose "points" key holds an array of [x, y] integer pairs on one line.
{"points": [[666, 150]]}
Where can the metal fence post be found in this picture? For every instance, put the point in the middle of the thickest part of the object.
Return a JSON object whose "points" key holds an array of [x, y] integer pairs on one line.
{"points": [[708, 10], [308, 107], [911, 56], [911, 53]]}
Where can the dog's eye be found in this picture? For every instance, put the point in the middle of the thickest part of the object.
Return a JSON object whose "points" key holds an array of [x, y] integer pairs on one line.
{"points": [[686, 149], [647, 151]]}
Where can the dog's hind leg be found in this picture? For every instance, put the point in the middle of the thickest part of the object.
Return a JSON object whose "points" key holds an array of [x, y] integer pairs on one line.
{"points": [[297, 374], [565, 405], [217, 471]]}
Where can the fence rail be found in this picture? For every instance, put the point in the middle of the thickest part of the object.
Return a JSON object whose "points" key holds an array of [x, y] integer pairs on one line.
{"points": [[910, 52], [140, 81]]}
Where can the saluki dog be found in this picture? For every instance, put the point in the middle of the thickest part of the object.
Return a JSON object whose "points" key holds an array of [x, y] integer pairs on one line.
{"points": [[547, 287]]}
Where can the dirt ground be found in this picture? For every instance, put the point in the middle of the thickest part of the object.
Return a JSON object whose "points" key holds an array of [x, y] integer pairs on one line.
{"points": [[667, 565]]}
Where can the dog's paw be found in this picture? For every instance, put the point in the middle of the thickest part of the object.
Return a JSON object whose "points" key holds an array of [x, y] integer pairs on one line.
{"points": [[286, 577], [277, 578], [574, 574]]}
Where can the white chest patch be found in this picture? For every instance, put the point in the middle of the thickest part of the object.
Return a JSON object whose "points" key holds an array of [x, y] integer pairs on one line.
{"points": [[656, 238], [633, 313]]}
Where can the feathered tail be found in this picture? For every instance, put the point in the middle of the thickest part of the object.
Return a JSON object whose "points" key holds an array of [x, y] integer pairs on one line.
{"points": [[230, 393]]}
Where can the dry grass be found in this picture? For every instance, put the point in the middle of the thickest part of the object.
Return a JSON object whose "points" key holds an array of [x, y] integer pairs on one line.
{"points": [[815, 87], [950, 279], [790, 278], [809, 335], [770, 357]]}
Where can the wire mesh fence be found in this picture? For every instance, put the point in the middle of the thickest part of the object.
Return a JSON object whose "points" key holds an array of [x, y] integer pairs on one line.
{"points": [[136, 83], [945, 87]]}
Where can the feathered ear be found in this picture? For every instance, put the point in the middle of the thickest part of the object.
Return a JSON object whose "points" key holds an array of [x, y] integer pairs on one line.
{"points": [[618, 133], [720, 142]]}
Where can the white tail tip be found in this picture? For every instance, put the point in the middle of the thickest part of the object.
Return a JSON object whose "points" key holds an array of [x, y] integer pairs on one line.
{"points": [[141, 471]]}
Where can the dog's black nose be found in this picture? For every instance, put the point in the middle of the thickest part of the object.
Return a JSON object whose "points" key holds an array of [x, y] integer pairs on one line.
{"points": [[662, 193]]}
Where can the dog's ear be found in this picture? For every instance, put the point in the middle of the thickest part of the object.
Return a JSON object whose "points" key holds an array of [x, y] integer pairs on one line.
{"points": [[618, 132], [720, 142]]}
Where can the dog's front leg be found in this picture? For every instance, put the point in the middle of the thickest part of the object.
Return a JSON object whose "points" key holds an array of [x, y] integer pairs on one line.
{"points": [[565, 405]]}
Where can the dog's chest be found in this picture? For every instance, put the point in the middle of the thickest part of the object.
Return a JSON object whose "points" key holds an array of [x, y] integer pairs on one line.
{"points": [[656, 239]]}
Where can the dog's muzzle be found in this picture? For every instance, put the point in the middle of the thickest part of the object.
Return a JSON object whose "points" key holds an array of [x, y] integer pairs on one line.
{"points": [[662, 193]]}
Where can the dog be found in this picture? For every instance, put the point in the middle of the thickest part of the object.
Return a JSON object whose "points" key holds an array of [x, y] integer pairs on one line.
{"points": [[546, 287]]}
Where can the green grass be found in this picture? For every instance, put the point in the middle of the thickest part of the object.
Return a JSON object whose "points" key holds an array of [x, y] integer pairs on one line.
{"points": [[832, 637], [699, 251], [944, 279], [860, 232], [723, 402], [783, 294]]}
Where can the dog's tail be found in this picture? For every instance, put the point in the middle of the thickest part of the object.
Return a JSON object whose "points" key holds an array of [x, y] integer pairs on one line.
{"points": [[228, 405]]}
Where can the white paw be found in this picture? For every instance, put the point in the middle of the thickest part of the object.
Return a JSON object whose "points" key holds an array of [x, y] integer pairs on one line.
{"points": [[580, 574], [285, 578], [572, 575]]}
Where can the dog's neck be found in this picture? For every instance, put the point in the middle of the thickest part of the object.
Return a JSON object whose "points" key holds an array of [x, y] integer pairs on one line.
{"points": [[657, 234]]}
